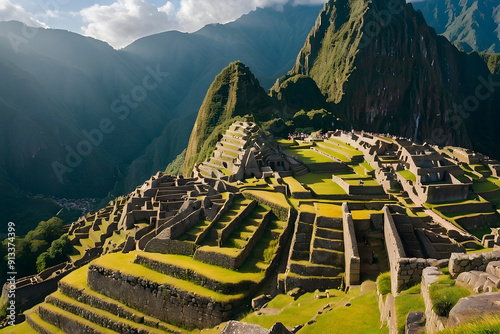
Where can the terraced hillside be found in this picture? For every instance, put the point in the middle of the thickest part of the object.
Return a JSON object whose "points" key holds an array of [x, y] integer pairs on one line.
{"points": [[182, 254]]}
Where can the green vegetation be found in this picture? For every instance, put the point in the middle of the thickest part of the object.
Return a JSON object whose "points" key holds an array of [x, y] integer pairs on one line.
{"points": [[174, 168], [384, 283], [488, 325], [407, 175], [57, 253], [124, 263], [321, 184], [307, 155], [362, 316], [490, 184], [408, 301], [444, 294], [301, 310], [33, 245]]}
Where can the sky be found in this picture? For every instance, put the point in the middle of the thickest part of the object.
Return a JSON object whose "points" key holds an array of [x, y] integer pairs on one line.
{"points": [[120, 22]]}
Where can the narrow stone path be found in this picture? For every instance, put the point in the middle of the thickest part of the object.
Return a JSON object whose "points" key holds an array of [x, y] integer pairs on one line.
{"points": [[446, 224]]}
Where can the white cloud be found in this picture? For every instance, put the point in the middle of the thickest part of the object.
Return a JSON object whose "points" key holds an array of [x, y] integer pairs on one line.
{"points": [[9, 12], [124, 21]]}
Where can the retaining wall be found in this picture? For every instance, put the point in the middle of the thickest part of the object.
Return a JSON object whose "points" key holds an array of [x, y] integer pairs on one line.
{"points": [[352, 259]]}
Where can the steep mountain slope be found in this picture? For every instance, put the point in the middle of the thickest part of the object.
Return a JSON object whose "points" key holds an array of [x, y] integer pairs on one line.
{"points": [[234, 92], [387, 71], [80, 82], [472, 25]]}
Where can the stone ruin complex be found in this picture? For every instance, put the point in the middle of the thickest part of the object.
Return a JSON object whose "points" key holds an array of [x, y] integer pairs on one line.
{"points": [[191, 252]]}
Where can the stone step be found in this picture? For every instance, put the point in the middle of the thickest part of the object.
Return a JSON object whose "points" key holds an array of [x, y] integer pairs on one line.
{"points": [[41, 326], [327, 257], [97, 316], [311, 283], [216, 278], [329, 233], [305, 268], [330, 244], [68, 322], [78, 289], [300, 255]]}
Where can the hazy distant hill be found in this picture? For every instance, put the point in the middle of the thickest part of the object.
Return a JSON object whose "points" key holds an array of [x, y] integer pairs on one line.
{"points": [[61, 84], [472, 25]]}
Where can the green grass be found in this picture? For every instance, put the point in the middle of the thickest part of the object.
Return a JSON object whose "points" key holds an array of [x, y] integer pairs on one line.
{"points": [[321, 184], [489, 325], [124, 263], [407, 175], [367, 166], [444, 294], [269, 196], [301, 310], [406, 303], [295, 186], [216, 273], [24, 328], [363, 214], [334, 153], [362, 316], [307, 155], [490, 184], [280, 301], [78, 279], [327, 210], [384, 283]]}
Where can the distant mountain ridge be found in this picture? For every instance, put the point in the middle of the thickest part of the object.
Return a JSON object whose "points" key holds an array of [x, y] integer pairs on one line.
{"points": [[402, 79], [472, 25], [73, 82]]}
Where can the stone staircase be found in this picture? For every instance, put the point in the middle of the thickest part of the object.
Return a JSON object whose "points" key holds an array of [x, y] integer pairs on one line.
{"points": [[406, 232], [316, 259]]}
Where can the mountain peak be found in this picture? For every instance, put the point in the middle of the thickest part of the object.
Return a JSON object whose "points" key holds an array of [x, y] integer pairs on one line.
{"points": [[234, 92]]}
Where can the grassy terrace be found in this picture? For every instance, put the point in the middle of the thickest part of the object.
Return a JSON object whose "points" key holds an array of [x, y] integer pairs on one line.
{"points": [[332, 152], [261, 254], [328, 210], [321, 184], [407, 175], [81, 321], [78, 280], [215, 273], [114, 318], [295, 186], [307, 155], [445, 294], [353, 179], [124, 263], [270, 197], [490, 184], [363, 214], [361, 317], [408, 301], [345, 147]]}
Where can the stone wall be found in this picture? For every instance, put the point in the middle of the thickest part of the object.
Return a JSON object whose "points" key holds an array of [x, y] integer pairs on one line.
{"points": [[229, 228], [165, 302], [460, 262], [405, 271], [224, 209], [394, 246], [358, 189], [433, 323], [352, 259]]}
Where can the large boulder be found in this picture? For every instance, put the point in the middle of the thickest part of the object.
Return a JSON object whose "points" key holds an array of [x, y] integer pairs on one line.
{"points": [[474, 307]]}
